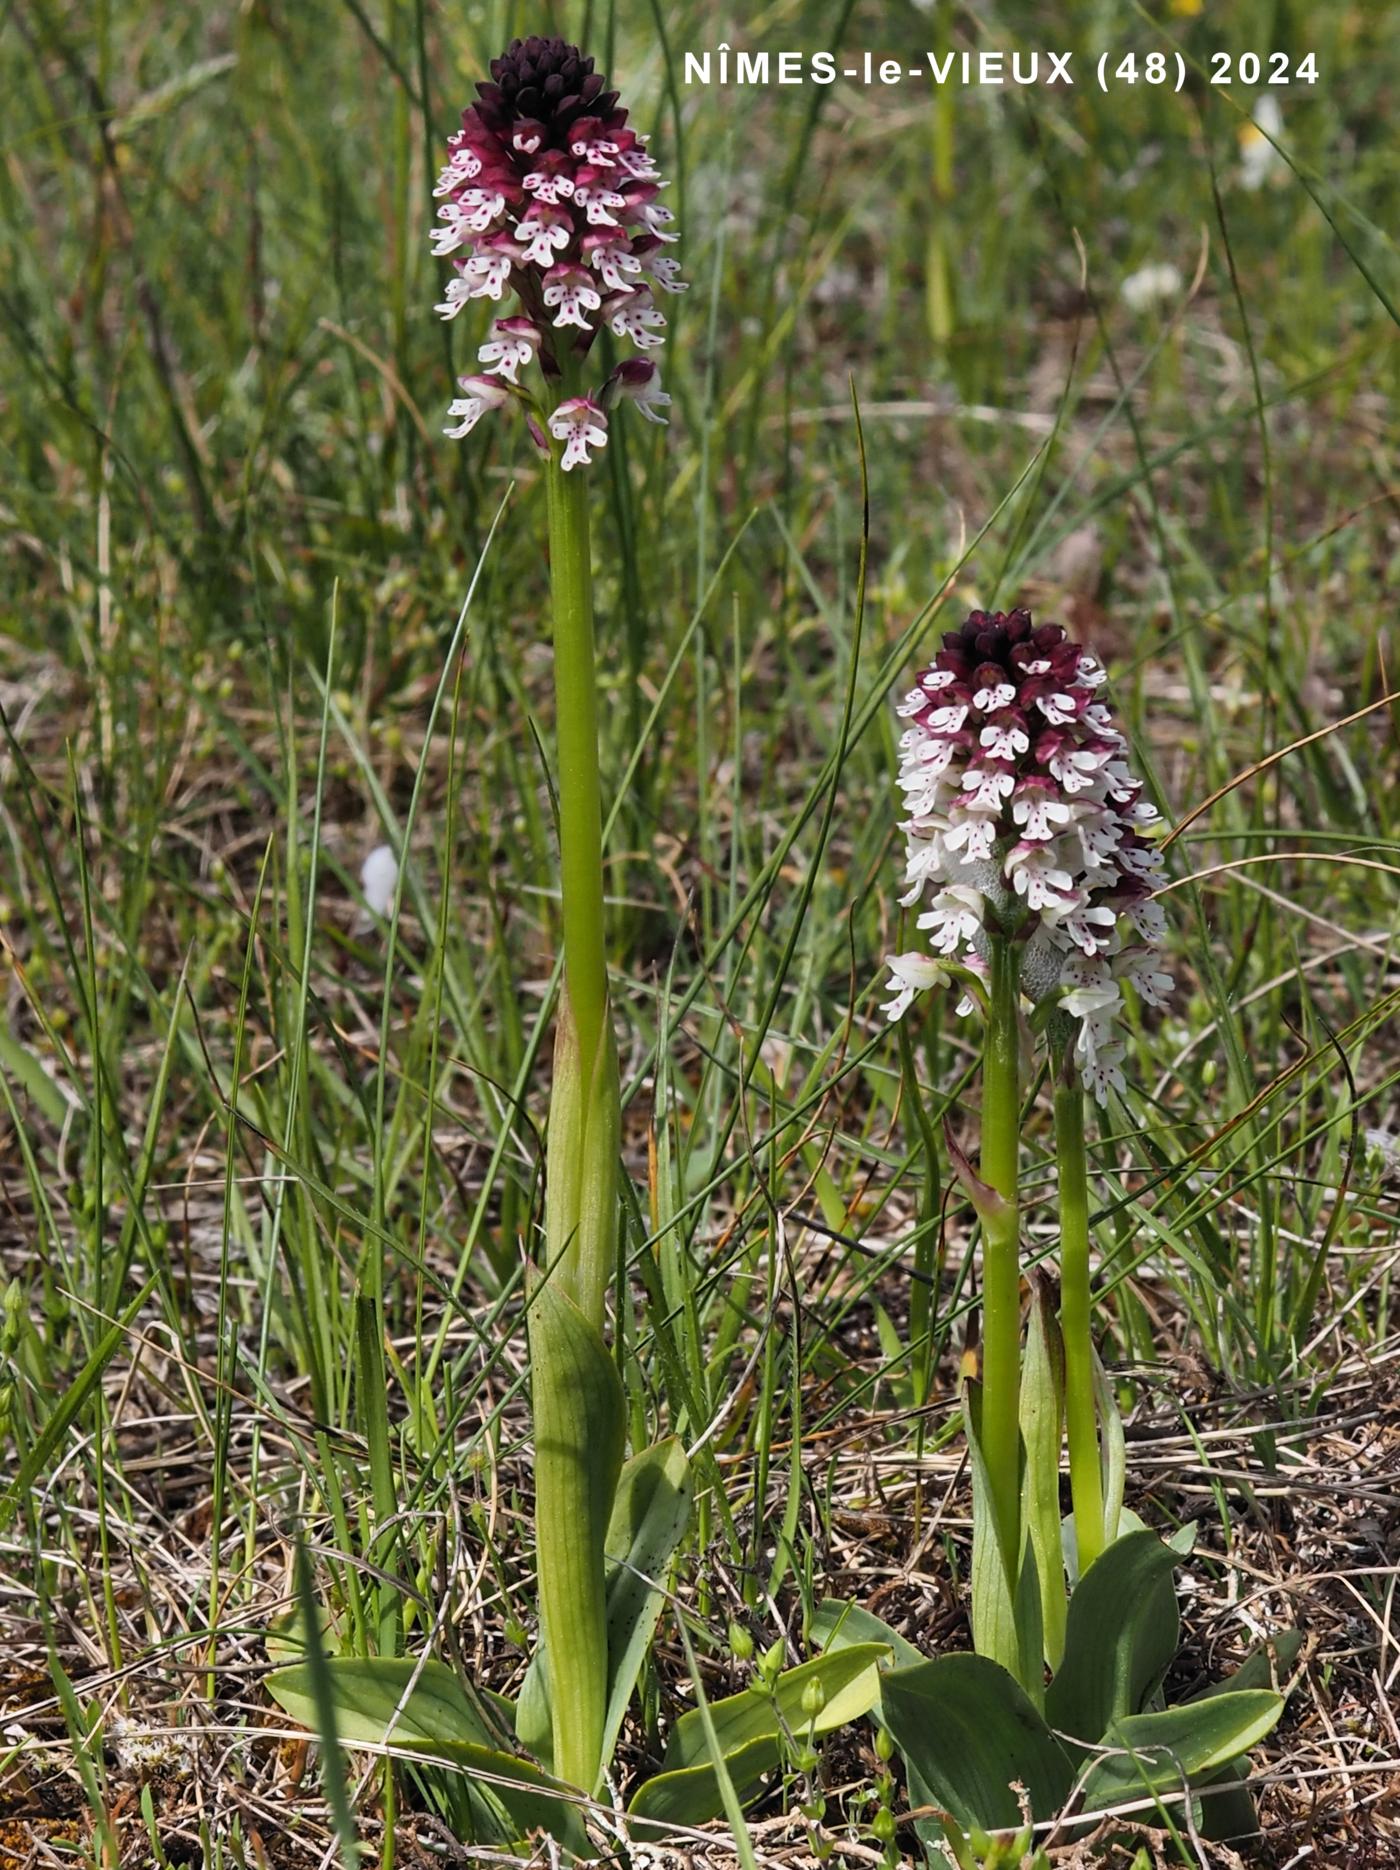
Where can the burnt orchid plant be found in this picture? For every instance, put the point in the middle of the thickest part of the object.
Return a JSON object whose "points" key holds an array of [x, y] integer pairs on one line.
{"points": [[550, 209], [1031, 863], [1029, 853]]}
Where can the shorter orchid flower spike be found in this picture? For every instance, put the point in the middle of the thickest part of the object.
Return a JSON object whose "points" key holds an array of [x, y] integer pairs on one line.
{"points": [[1026, 823], [379, 879]]}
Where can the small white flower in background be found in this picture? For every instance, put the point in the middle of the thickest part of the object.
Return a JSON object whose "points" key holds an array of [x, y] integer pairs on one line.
{"points": [[143, 1751], [1259, 160], [379, 878], [1025, 820], [1149, 285]]}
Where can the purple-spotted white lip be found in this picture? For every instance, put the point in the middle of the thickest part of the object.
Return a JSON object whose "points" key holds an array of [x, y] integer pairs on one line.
{"points": [[1024, 816], [549, 200], [581, 425], [479, 394]]}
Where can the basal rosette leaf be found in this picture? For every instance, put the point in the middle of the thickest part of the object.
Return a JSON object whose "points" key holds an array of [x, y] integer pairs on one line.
{"points": [[971, 1733], [579, 1433], [749, 1729], [650, 1517], [1120, 1636], [1171, 1749], [421, 1708]]}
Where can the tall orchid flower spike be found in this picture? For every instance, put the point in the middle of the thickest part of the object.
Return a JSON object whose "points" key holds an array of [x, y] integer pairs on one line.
{"points": [[550, 209], [1025, 821], [549, 202]]}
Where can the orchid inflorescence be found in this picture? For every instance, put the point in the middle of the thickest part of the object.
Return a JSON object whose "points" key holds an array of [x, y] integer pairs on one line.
{"points": [[550, 196], [1026, 821]]}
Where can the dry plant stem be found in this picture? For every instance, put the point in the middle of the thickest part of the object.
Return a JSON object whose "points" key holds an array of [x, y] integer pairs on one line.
{"points": [[1001, 1268], [1081, 1415]]}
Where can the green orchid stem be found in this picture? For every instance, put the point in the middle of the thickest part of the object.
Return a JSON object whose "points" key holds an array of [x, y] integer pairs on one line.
{"points": [[1081, 1414], [584, 1119], [577, 1402], [1001, 1260]]}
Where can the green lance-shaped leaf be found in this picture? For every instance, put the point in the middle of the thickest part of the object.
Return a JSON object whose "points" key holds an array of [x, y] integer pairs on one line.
{"points": [[367, 1690], [1265, 1664], [649, 1519], [582, 1145], [579, 1432], [289, 1638], [691, 1795], [1006, 1624], [1121, 1634], [969, 1733], [1042, 1422], [1114, 1452], [837, 1625], [1226, 1808], [748, 1730], [650, 1515], [1182, 1541], [534, 1719], [509, 1797], [848, 1681], [1172, 1748]]}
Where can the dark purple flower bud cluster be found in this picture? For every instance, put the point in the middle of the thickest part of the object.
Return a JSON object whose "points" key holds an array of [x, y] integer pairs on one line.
{"points": [[549, 197], [1025, 820]]}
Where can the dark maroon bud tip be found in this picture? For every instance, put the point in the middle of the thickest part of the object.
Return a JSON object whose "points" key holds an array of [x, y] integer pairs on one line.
{"points": [[551, 81]]}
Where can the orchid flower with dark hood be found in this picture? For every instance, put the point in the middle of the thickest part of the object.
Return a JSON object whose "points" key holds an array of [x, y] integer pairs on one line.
{"points": [[550, 203]]}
